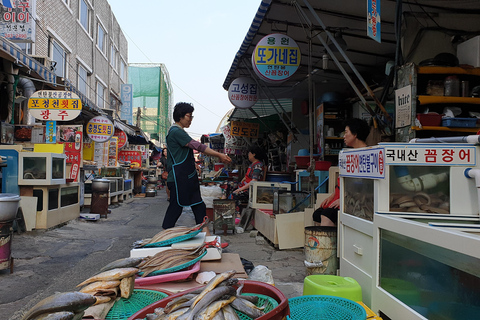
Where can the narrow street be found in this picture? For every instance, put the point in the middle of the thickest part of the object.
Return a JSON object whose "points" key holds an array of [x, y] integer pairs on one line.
{"points": [[56, 260]]}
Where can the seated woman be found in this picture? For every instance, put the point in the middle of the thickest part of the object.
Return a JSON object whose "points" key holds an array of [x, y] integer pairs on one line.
{"points": [[356, 133], [255, 172]]}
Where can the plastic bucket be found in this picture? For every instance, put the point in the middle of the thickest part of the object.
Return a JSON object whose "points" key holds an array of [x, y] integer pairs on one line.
{"points": [[6, 232], [321, 246]]}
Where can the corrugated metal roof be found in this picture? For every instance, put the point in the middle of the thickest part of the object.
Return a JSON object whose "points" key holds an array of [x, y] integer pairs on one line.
{"points": [[262, 108]]}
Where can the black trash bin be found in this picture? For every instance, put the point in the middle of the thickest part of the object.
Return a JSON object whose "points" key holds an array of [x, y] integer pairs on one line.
{"points": [[100, 188]]}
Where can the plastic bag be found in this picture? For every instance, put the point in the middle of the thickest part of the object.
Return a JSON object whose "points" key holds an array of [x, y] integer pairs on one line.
{"points": [[261, 273]]}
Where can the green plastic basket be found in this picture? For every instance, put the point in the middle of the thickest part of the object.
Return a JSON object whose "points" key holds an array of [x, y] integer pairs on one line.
{"points": [[177, 268], [325, 308], [123, 308], [269, 303], [173, 240]]}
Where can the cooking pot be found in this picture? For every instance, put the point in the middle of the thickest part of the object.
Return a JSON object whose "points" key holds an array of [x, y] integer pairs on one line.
{"points": [[152, 179], [100, 185], [9, 203]]}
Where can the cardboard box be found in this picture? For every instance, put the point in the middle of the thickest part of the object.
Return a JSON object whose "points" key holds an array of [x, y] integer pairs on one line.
{"points": [[468, 52]]}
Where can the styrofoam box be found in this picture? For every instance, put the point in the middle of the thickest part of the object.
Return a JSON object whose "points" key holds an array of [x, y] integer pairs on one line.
{"points": [[214, 253], [468, 52]]}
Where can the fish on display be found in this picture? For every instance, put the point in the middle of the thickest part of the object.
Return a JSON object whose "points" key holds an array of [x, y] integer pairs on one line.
{"points": [[93, 287], [122, 263], [210, 297], [114, 274], [75, 302], [126, 287], [208, 312], [168, 234], [61, 315], [248, 308], [229, 313]]}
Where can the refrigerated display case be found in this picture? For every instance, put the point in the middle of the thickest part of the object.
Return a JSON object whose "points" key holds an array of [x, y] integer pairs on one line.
{"points": [[399, 202], [41, 168], [261, 193]]}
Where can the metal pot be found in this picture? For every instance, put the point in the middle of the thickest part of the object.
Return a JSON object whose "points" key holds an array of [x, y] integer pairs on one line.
{"points": [[9, 203], [100, 185], [150, 193], [152, 179]]}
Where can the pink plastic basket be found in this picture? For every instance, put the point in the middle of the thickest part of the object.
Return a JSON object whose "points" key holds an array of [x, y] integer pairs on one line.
{"points": [[174, 276]]}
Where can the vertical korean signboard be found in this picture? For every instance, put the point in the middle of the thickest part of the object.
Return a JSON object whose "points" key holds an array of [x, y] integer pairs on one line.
{"points": [[127, 103], [17, 23], [374, 20], [403, 107]]}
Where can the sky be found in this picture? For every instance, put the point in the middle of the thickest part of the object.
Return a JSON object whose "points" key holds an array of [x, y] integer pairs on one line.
{"points": [[196, 41]]}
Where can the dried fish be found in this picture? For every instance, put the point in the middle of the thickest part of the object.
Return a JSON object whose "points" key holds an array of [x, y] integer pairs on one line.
{"points": [[168, 234], [205, 301], [97, 285], [67, 301], [122, 263], [229, 313], [208, 312], [126, 287], [114, 274], [247, 308], [213, 284]]}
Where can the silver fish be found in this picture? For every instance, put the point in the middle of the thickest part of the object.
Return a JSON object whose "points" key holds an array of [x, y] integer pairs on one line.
{"points": [[210, 297], [213, 284], [122, 263], [67, 301], [229, 313], [61, 315], [252, 299], [109, 275], [210, 311], [173, 316], [247, 308], [184, 301]]}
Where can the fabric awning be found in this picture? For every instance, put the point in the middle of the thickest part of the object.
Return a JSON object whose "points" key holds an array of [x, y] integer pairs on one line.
{"points": [[16, 55]]}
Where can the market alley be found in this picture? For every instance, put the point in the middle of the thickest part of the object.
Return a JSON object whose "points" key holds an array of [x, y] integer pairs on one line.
{"points": [[57, 259]]}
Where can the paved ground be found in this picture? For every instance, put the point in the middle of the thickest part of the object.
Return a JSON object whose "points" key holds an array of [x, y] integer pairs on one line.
{"points": [[56, 260]]}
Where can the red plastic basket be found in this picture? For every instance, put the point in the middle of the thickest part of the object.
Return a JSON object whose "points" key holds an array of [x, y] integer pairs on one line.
{"points": [[279, 313]]}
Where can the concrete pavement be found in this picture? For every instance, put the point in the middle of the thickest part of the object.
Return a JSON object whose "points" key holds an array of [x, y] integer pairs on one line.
{"points": [[57, 259]]}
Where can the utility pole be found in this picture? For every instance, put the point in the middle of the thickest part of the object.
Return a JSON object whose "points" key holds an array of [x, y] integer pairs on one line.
{"points": [[139, 113]]}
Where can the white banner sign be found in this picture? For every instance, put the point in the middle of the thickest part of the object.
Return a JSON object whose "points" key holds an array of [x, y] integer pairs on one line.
{"points": [[431, 155], [365, 163], [403, 107]]}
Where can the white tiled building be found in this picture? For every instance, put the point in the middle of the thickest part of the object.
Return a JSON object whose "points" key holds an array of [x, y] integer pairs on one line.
{"points": [[84, 42]]}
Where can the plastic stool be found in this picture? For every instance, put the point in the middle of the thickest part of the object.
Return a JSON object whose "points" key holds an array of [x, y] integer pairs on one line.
{"points": [[344, 287]]}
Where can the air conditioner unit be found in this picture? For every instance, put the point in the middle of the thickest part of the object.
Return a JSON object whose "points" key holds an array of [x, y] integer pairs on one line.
{"points": [[46, 61]]}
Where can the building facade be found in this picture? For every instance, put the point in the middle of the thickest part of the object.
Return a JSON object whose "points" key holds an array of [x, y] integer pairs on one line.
{"points": [[82, 42], [152, 98]]}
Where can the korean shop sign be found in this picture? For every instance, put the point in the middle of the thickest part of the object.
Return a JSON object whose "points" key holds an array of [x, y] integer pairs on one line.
{"points": [[100, 129], [276, 58], [122, 138], [52, 105], [243, 93], [362, 163], [17, 22], [430, 155], [244, 129]]}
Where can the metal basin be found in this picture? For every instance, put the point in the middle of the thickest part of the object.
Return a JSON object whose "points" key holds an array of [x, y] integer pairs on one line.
{"points": [[100, 185], [9, 203], [151, 179]]}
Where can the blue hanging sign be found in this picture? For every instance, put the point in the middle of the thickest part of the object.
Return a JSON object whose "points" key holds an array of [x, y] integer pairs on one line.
{"points": [[51, 132], [373, 20]]}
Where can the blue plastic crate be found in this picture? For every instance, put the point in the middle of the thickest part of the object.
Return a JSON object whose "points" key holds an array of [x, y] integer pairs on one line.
{"points": [[459, 122]]}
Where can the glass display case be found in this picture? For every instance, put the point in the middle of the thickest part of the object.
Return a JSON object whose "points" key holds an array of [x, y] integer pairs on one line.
{"points": [[426, 272], [358, 197], [261, 193], [303, 178], [6, 133], [292, 201], [41, 168]]}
